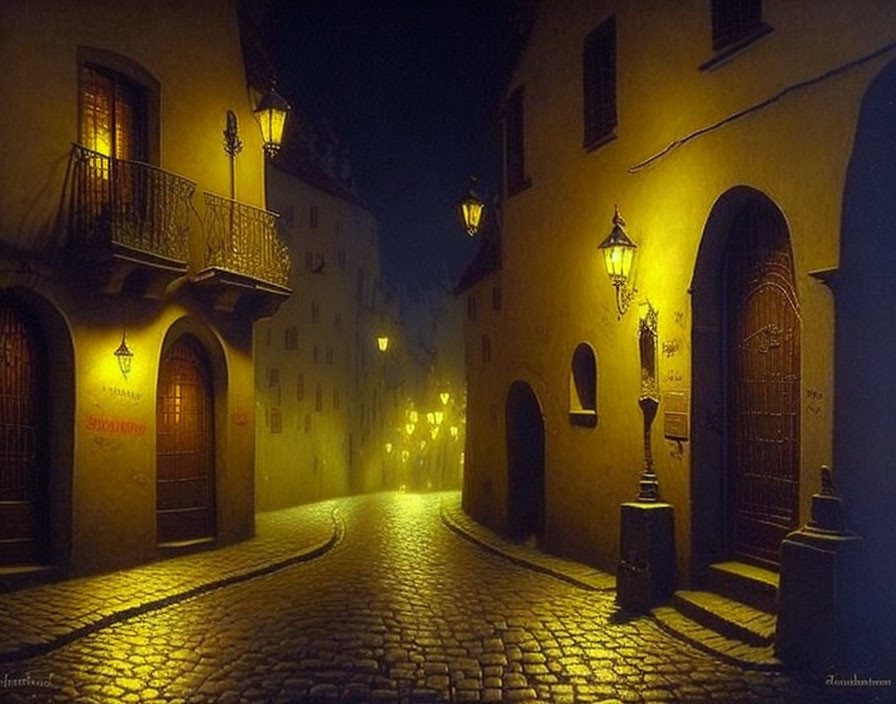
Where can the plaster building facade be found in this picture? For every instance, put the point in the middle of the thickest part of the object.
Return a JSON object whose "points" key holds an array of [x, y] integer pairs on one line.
{"points": [[135, 255], [749, 149], [323, 398]]}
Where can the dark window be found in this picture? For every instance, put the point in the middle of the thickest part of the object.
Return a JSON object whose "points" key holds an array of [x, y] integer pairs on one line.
{"points": [[583, 386], [734, 20], [274, 385], [599, 79], [315, 312], [312, 217], [471, 307], [309, 261], [486, 349], [329, 354], [318, 399], [496, 298], [276, 421], [514, 150], [300, 388], [307, 422], [291, 338]]}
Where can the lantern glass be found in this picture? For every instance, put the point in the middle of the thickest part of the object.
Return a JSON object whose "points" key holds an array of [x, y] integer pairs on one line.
{"points": [[619, 252], [470, 209], [124, 356], [382, 343], [271, 115], [444, 397]]}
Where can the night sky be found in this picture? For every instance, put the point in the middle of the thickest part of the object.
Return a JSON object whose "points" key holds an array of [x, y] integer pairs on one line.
{"points": [[414, 88]]}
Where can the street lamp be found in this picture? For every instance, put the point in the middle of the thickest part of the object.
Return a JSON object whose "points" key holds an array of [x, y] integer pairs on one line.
{"points": [[124, 355], [382, 342], [271, 114], [619, 253], [470, 209], [444, 397]]}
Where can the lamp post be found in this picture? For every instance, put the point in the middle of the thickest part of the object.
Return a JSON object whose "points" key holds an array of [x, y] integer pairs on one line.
{"points": [[470, 209], [619, 253], [124, 356]]}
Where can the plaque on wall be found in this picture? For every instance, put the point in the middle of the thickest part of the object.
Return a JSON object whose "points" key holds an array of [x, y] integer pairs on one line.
{"points": [[675, 415]]}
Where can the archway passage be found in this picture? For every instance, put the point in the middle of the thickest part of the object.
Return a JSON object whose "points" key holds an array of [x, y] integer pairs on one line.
{"points": [[185, 505], [762, 343], [525, 463], [23, 437]]}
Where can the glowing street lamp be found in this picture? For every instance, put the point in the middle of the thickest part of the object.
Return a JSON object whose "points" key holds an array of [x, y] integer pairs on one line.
{"points": [[382, 342], [409, 428], [619, 252], [440, 416], [443, 397], [271, 114], [470, 209]]}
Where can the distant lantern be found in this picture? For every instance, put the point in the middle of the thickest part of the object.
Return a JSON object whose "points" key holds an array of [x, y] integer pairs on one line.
{"points": [[413, 416], [382, 343], [409, 428], [124, 355], [454, 431], [440, 416], [443, 397], [388, 448], [470, 209], [431, 418], [619, 252], [271, 115]]}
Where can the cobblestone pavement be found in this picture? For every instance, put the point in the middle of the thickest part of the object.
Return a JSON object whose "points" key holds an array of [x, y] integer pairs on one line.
{"points": [[402, 609]]}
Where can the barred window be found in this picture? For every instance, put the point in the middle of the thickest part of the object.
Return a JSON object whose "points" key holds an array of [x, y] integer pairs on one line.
{"points": [[734, 20], [514, 144]]}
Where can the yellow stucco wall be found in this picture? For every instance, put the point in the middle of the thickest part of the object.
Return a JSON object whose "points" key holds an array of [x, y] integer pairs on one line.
{"points": [[103, 450], [556, 292]]}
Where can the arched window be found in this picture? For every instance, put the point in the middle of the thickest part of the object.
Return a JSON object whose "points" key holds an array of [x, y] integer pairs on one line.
{"points": [[583, 386]]}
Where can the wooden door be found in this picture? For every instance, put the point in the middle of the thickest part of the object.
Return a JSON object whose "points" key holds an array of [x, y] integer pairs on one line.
{"points": [[22, 437], [763, 327], [525, 463], [185, 506]]}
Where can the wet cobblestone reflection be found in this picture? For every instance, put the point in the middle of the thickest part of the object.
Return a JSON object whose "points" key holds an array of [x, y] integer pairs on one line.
{"points": [[402, 609]]}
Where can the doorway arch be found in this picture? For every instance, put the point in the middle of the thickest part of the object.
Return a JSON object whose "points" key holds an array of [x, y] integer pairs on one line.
{"points": [[524, 425], [185, 444], [746, 399]]}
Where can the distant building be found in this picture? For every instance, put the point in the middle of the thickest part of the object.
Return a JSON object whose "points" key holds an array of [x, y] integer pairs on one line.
{"points": [[135, 256], [749, 147], [322, 395]]}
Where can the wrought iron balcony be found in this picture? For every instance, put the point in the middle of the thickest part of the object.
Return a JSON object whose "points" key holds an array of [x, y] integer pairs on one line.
{"points": [[129, 208], [243, 240]]}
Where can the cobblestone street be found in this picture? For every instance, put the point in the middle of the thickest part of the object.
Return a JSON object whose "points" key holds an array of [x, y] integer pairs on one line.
{"points": [[400, 608]]}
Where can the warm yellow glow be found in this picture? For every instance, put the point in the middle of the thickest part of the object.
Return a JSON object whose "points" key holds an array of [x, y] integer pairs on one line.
{"points": [[423, 444], [382, 342], [619, 251], [443, 397], [461, 459], [431, 418], [125, 356], [409, 428], [434, 433], [405, 455], [413, 416], [388, 448], [440, 416], [271, 115], [471, 214], [454, 431]]}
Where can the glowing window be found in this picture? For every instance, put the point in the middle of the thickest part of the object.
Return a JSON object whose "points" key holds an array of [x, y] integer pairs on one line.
{"points": [[113, 114], [599, 83]]}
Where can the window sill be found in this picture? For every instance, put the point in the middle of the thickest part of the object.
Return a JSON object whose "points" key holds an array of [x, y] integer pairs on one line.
{"points": [[600, 141], [728, 52], [585, 417]]}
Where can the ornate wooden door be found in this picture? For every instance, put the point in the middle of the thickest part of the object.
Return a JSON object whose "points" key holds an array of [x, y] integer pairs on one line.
{"points": [[185, 506], [763, 326], [22, 436]]}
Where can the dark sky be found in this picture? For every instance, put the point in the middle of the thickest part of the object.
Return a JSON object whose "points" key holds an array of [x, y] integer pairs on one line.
{"points": [[414, 89]]}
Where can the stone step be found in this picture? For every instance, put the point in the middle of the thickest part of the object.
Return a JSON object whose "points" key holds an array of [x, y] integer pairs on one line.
{"points": [[748, 584], [755, 657], [732, 619]]}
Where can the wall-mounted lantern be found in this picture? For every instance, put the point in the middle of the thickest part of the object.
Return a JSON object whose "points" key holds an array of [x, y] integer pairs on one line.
{"points": [[388, 448], [409, 428], [431, 418], [444, 397], [470, 209], [440, 416], [413, 416], [382, 343], [619, 253], [271, 114], [124, 356]]}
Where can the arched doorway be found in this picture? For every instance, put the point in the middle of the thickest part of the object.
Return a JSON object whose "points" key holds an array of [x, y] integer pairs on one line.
{"points": [[185, 491], [23, 438], [525, 463], [746, 399]]}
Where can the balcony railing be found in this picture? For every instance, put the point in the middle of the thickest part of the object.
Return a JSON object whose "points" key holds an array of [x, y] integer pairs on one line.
{"points": [[128, 204], [244, 240]]}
